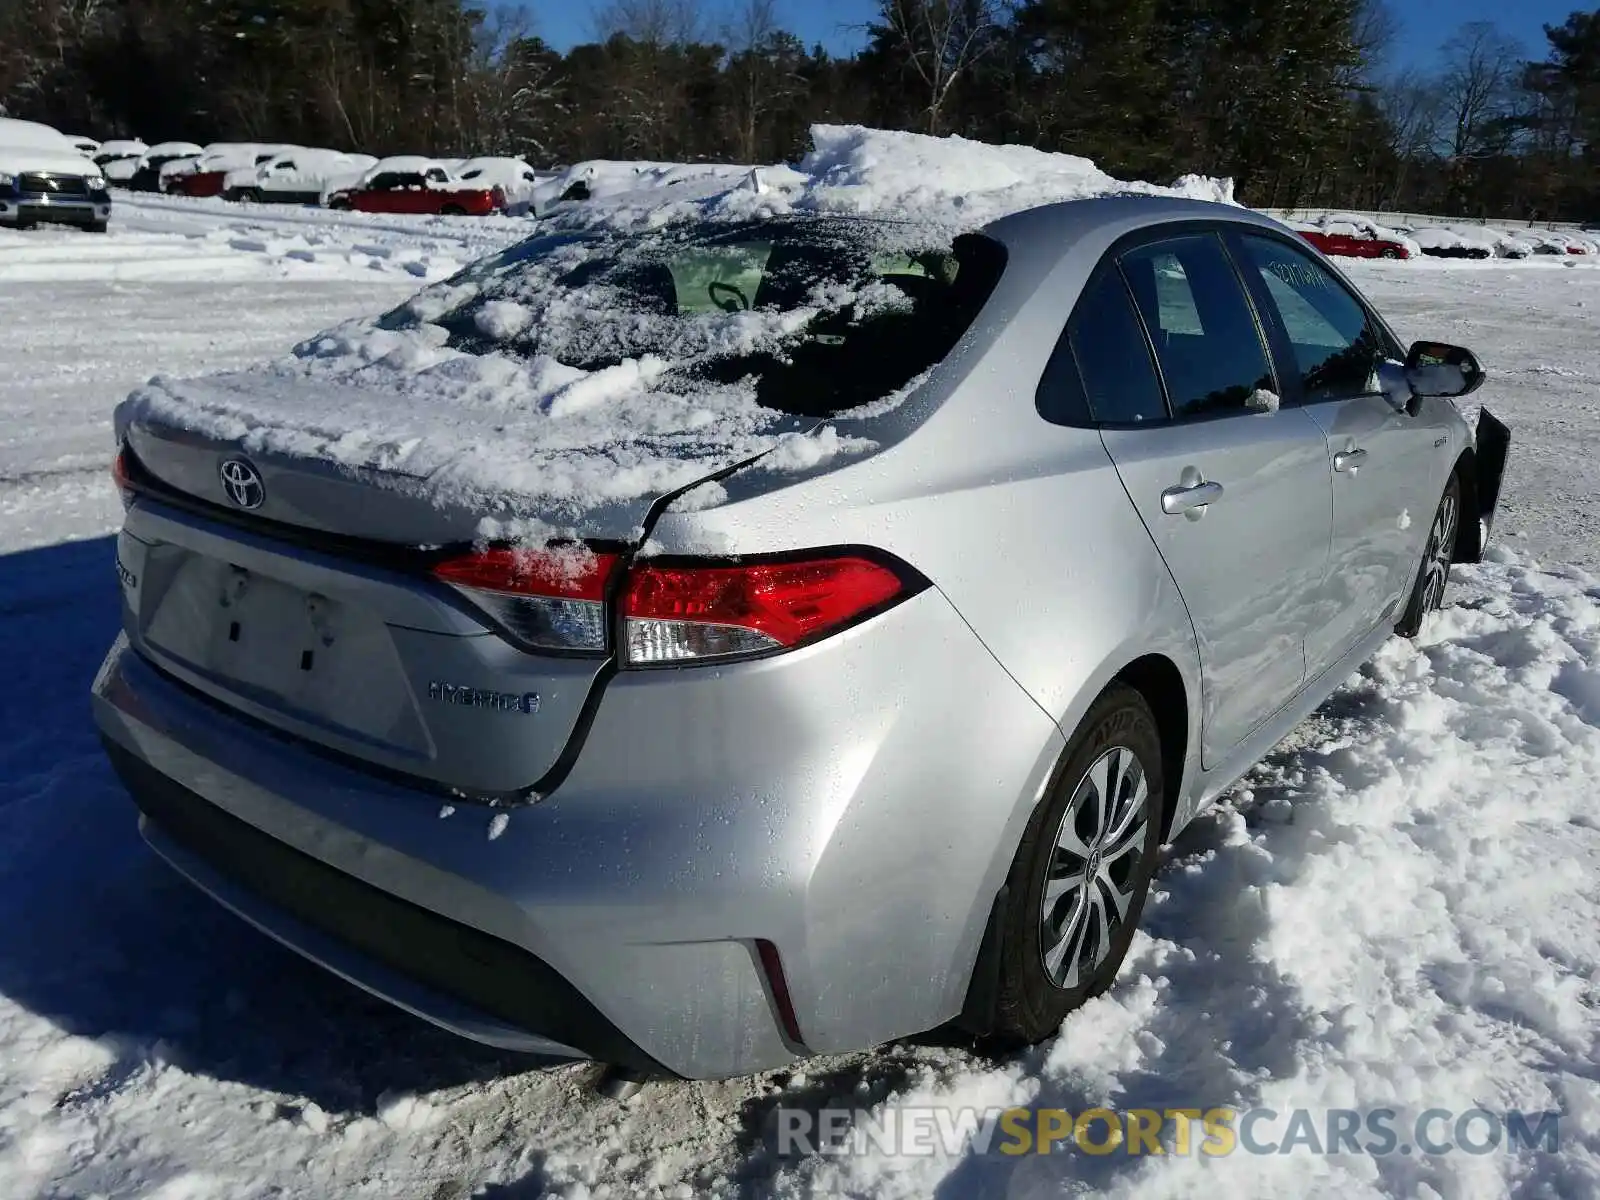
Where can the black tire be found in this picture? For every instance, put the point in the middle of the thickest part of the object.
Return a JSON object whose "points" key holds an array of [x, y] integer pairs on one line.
{"points": [[452, 210], [339, 204], [1031, 1002], [1391, 252], [249, 195], [95, 227], [1433, 573]]}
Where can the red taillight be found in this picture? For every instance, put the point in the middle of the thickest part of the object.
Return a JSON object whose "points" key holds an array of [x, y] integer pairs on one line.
{"points": [[549, 599], [119, 476], [688, 613], [772, 966]]}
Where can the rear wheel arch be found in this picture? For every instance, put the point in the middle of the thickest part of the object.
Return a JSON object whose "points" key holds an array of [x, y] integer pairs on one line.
{"points": [[1159, 682], [1157, 678]]}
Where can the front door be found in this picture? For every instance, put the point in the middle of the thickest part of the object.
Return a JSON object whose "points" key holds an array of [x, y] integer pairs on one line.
{"points": [[1382, 460]]}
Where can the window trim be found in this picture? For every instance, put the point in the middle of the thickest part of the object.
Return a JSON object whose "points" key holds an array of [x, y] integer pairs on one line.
{"points": [[1154, 235], [1278, 333], [1063, 362]]}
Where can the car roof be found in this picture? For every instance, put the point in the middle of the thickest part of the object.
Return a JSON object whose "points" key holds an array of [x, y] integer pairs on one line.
{"points": [[1071, 220]]}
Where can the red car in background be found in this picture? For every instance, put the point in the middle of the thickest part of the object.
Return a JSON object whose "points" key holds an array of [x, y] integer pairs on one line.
{"points": [[417, 186], [1354, 241], [209, 174], [199, 183]]}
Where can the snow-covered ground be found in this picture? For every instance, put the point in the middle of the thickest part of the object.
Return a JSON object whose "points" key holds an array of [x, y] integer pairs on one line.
{"points": [[1400, 908]]}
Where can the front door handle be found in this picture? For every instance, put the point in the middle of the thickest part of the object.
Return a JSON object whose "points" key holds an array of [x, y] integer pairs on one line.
{"points": [[1190, 499], [1349, 460]]}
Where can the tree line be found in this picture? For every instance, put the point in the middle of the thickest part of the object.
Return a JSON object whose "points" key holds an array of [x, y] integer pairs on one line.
{"points": [[1292, 98]]}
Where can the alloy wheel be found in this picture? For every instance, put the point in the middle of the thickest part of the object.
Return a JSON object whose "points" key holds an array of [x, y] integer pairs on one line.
{"points": [[1441, 544], [1089, 883]]}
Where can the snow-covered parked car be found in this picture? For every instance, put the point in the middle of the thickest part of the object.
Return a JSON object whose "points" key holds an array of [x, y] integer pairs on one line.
{"points": [[516, 180], [410, 183], [146, 177], [608, 180], [1513, 243], [299, 175], [1357, 238], [205, 175], [1438, 241], [781, 630], [1559, 242], [52, 185], [118, 158]]}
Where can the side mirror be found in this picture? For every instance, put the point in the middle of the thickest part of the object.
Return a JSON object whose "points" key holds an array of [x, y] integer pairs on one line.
{"points": [[1440, 369]]}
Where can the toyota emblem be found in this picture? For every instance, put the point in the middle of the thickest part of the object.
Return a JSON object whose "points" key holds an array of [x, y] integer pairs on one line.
{"points": [[242, 483]]}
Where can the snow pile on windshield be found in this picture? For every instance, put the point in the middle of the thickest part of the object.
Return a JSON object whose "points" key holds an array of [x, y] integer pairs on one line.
{"points": [[596, 366]]}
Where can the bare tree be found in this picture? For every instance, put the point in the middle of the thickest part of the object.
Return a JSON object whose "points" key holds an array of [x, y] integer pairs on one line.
{"points": [[1413, 111], [940, 40], [756, 81], [653, 23], [1481, 72]]}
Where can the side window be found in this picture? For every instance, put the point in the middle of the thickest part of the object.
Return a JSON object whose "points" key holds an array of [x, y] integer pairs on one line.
{"points": [[1204, 332], [435, 175], [1113, 360], [1335, 345], [385, 182]]}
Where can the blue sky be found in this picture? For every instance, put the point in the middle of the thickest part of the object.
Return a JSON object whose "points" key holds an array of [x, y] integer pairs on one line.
{"points": [[837, 23]]}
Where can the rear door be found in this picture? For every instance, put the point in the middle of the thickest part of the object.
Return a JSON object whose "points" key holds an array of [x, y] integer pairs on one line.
{"points": [[1232, 487], [1384, 465]]}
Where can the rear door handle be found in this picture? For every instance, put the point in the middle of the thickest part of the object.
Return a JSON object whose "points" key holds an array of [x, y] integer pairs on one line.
{"points": [[1349, 460], [1177, 500]]}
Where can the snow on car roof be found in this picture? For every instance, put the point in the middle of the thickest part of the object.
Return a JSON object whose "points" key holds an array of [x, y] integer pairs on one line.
{"points": [[123, 147], [174, 150], [60, 159], [30, 133], [396, 393], [227, 156], [406, 164]]}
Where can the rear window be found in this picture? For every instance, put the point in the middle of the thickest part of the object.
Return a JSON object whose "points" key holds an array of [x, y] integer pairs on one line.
{"points": [[818, 315]]}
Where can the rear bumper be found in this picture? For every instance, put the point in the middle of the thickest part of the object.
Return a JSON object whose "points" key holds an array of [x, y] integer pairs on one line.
{"points": [[855, 803], [476, 985]]}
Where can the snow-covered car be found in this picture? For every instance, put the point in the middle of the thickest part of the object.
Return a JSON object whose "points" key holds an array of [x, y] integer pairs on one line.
{"points": [[118, 158], [1437, 241], [1513, 243], [757, 636], [298, 175], [205, 175], [163, 156], [516, 180], [43, 184], [1363, 239], [1558, 242], [605, 180], [413, 184], [86, 146]]}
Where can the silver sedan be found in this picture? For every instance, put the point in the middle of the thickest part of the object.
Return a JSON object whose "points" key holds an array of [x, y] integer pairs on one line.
{"points": [[781, 762]]}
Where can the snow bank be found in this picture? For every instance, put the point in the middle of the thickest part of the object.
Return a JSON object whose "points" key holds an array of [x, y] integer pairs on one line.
{"points": [[853, 169]]}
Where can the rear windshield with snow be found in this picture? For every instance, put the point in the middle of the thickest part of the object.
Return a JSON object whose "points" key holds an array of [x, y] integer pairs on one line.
{"points": [[817, 315]]}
